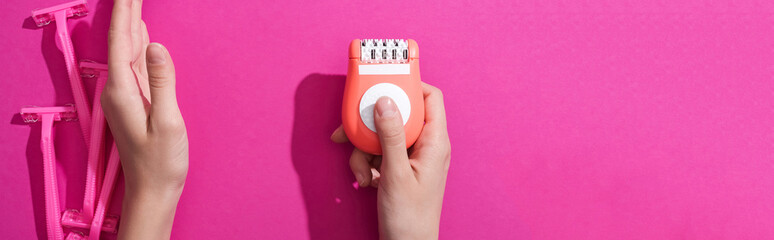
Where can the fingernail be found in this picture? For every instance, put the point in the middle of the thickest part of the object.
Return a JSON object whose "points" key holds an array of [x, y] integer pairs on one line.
{"points": [[385, 107], [156, 54]]}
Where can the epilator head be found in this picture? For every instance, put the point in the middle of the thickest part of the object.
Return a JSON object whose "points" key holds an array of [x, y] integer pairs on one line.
{"points": [[377, 68]]}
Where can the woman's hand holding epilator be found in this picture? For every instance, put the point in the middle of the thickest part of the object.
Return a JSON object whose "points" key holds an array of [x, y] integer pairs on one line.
{"points": [[411, 181], [140, 105]]}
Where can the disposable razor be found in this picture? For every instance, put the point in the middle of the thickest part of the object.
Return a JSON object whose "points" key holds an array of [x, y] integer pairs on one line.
{"points": [[60, 14], [106, 193], [99, 221], [377, 68], [47, 116], [82, 219]]}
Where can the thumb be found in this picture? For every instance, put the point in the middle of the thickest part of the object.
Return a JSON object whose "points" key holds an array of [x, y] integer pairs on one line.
{"points": [[389, 127], [161, 79]]}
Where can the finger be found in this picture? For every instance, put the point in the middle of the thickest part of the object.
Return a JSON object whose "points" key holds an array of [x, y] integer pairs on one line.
{"points": [[376, 162], [142, 66], [433, 142], [389, 127], [120, 101], [136, 28], [161, 80], [120, 44], [145, 36], [339, 136], [144, 41], [358, 162], [376, 178], [434, 107]]}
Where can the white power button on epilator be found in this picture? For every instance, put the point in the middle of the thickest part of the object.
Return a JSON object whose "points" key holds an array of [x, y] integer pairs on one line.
{"points": [[369, 98]]}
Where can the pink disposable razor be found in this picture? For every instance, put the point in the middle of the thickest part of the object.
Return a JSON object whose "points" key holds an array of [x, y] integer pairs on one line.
{"points": [[99, 222], [111, 173], [47, 116], [82, 219], [60, 13]]}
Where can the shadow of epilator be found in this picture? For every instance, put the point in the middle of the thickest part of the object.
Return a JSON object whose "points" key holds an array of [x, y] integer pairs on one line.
{"points": [[335, 208]]}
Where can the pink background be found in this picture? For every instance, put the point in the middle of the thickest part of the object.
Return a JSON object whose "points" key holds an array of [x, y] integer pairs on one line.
{"points": [[606, 120]]}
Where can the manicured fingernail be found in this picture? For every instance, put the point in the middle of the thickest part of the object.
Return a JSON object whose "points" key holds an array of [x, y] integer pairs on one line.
{"points": [[156, 54], [385, 107]]}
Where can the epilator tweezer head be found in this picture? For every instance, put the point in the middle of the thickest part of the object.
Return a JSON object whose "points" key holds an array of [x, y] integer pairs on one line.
{"points": [[384, 51]]}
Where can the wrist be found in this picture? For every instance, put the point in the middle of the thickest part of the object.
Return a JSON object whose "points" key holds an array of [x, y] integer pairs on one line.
{"points": [[144, 183], [154, 194], [418, 227], [412, 233], [148, 213]]}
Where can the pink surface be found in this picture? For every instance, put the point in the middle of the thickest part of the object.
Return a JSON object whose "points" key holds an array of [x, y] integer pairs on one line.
{"points": [[609, 120]]}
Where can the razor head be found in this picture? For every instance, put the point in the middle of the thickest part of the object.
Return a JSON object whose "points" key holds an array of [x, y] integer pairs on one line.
{"points": [[75, 219], [384, 51], [33, 114], [45, 16], [75, 235], [91, 69]]}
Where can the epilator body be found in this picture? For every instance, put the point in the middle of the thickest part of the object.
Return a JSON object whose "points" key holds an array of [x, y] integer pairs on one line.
{"points": [[376, 68]]}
